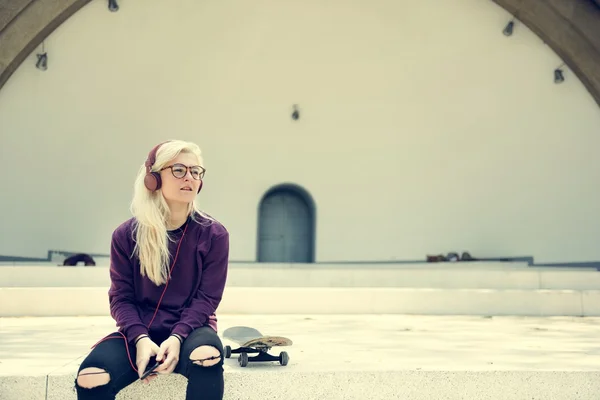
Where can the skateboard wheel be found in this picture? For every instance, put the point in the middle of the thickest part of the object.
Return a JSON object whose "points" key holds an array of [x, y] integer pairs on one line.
{"points": [[284, 358], [227, 351], [243, 359]]}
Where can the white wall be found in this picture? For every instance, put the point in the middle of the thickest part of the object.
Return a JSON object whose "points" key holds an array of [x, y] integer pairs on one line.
{"points": [[423, 129]]}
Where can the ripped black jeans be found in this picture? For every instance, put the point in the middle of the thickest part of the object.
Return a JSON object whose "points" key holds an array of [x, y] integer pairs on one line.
{"points": [[205, 382]]}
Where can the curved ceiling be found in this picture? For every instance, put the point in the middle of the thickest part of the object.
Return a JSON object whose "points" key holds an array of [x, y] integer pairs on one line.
{"points": [[570, 28]]}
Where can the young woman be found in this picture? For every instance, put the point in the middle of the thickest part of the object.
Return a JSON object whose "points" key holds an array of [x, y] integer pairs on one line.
{"points": [[168, 268]]}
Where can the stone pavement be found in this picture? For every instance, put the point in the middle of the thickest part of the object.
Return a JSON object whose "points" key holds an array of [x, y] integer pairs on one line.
{"points": [[338, 356]]}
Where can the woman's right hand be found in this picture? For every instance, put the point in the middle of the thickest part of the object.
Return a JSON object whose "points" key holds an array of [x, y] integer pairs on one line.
{"points": [[145, 349]]}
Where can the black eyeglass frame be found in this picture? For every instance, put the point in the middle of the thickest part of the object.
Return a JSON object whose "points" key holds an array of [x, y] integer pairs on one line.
{"points": [[187, 169]]}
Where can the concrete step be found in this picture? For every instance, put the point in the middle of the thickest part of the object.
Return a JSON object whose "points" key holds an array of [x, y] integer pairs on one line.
{"points": [[360, 385], [340, 357], [472, 275], [91, 301]]}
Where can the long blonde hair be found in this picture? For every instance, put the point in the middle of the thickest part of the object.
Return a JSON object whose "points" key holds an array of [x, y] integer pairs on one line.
{"points": [[152, 213]]}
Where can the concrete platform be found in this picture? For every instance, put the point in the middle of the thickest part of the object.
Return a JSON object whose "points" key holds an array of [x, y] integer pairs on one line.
{"points": [[470, 275], [473, 288], [341, 357], [93, 301]]}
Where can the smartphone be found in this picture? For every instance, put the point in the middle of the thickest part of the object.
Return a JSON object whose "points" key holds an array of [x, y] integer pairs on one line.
{"points": [[149, 370]]}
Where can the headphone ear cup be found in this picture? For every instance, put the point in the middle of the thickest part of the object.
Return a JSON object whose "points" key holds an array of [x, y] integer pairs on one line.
{"points": [[200, 187], [152, 181]]}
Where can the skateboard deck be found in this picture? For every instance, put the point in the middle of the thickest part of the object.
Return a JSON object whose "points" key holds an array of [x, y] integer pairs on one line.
{"points": [[251, 340]]}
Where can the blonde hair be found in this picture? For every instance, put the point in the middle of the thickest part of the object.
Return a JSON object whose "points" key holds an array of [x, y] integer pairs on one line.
{"points": [[152, 213]]}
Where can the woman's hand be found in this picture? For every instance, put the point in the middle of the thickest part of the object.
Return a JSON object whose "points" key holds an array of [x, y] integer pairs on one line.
{"points": [[169, 348], [145, 349]]}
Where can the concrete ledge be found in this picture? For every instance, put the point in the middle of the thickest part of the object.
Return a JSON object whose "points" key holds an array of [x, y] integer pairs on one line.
{"points": [[416, 385], [92, 301], [447, 275], [340, 357], [23, 387]]}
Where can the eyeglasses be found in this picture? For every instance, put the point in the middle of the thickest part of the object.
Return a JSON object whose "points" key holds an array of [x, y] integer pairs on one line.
{"points": [[180, 170]]}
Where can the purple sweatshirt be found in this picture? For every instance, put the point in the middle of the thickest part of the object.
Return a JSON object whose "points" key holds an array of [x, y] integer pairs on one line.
{"points": [[194, 290]]}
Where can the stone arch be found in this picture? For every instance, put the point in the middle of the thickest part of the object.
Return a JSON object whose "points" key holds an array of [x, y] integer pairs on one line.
{"points": [[286, 225], [570, 28], [24, 24]]}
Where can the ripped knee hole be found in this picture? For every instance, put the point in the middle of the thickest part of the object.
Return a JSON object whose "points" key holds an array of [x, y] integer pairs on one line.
{"points": [[91, 377], [205, 356]]}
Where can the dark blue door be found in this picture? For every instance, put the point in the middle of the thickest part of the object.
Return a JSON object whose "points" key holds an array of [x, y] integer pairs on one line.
{"points": [[285, 228]]}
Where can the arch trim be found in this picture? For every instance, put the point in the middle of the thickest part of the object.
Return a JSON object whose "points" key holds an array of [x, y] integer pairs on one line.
{"points": [[571, 29]]}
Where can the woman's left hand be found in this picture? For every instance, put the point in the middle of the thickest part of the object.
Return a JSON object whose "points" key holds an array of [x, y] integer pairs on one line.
{"points": [[168, 353]]}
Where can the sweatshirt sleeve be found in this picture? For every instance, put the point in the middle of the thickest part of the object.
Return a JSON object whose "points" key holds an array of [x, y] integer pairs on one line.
{"points": [[121, 294], [210, 293]]}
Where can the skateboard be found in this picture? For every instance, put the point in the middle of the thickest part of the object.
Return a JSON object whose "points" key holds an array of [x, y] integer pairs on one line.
{"points": [[252, 341]]}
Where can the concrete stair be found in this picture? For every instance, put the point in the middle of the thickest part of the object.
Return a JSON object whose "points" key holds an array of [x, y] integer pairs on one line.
{"points": [[381, 331], [92, 301], [473, 288], [377, 357], [471, 275]]}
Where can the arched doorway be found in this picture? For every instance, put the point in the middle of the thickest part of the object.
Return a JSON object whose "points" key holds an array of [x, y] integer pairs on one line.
{"points": [[286, 225]]}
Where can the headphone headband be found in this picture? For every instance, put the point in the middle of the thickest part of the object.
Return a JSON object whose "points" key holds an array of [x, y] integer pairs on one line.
{"points": [[152, 157]]}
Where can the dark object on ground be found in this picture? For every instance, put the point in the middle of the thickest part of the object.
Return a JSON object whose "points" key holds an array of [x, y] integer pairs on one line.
{"points": [[76, 258], [438, 258], [450, 257], [453, 257]]}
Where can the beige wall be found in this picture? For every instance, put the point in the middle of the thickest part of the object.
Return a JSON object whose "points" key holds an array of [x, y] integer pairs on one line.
{"points": [[423, 129]]}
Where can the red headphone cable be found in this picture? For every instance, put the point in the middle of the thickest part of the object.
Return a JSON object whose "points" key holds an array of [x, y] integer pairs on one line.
{"points": [[155, 311]]}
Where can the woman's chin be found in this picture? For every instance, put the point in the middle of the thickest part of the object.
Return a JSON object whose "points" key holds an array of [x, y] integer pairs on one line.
{"points": [[181, 198]]}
